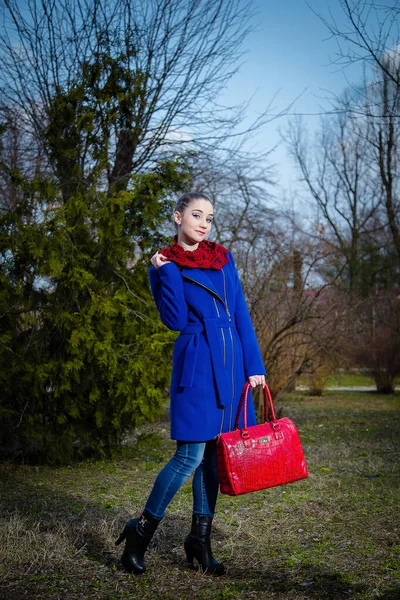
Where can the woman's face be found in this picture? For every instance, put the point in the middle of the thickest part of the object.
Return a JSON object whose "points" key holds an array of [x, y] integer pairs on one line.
{"points": [[194, 223]]}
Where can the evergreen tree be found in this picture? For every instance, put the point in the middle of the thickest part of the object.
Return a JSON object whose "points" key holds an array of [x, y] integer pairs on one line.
{"points": [[83, 355]]}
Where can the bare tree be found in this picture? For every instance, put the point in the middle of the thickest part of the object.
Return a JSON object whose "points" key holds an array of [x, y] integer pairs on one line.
{"points": [[370, 35], [336, 172], [350, 170], [131, 81], [298, 317], [382, 109], [352, 175], [376, 344]]}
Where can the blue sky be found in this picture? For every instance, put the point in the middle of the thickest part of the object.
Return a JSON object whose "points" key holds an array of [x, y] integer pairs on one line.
{"points": [[290, 54]]}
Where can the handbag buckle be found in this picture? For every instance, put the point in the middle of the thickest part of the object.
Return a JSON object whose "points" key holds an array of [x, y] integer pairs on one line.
{"points": [[245, 434], [275, 426]]}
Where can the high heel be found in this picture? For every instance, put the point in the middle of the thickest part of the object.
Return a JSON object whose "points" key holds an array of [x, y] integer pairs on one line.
{"points": [[137, 534], [198, 546], [121, 538], [189, 557], [124, 532]]}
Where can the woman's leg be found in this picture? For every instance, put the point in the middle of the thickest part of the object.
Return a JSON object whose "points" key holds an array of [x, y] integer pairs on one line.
{"points": [[137, 533], [205, 492], [205, 482], [187, 458]]}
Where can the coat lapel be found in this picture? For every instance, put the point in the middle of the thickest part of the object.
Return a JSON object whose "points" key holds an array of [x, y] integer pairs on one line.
{"points": [[199, 276]]}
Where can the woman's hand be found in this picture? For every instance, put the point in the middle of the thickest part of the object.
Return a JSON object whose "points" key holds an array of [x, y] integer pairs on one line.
{"points": [[158, 260], [255, 380]]}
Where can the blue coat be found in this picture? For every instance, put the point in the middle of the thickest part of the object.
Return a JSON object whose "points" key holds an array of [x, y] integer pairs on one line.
{"points": [[215, 351]]}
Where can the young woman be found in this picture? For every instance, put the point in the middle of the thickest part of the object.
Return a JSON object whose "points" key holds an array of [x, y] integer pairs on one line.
{"points": [[198, 293]]}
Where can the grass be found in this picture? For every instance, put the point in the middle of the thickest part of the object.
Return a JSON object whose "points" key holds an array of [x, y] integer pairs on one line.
{"points": [[352, 378], [332, 536]]}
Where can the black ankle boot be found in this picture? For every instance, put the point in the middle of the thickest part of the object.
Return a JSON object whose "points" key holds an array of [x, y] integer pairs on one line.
{"points": [[198, 546], [137, 533]]}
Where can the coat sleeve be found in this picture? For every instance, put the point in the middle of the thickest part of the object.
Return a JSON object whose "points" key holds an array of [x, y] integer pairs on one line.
{"points": [[253, 362], [167, 288]]}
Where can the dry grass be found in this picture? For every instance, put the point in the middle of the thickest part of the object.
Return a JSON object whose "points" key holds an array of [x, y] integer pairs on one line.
{"points": [[333, 536]]}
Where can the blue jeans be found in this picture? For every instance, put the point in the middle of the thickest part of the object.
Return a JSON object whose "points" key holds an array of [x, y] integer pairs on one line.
{"points": [[197, 457]]}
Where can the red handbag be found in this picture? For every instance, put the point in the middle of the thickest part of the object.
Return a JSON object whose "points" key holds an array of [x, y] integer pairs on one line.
{"points": [[261, 456]]}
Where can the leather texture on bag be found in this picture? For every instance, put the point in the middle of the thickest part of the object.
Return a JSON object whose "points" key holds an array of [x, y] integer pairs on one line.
{"points": [[261, 456]]}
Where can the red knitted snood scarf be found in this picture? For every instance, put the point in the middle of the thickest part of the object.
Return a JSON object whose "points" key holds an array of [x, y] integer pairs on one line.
{"points": [[208, 255]]}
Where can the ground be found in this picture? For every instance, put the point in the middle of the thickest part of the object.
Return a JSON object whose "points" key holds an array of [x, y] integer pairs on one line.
{"points": [[332, 536]]}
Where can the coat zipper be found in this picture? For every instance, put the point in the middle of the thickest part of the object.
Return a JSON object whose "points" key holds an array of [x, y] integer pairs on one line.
{"points": [[216, 306], [223, 337], [222, 331], [212, 292], [233, 364], [230, 333], [203, 286], [226, 301]]}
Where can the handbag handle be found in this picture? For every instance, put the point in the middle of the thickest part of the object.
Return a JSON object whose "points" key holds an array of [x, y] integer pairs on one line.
{"points": [[267, 400]]}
